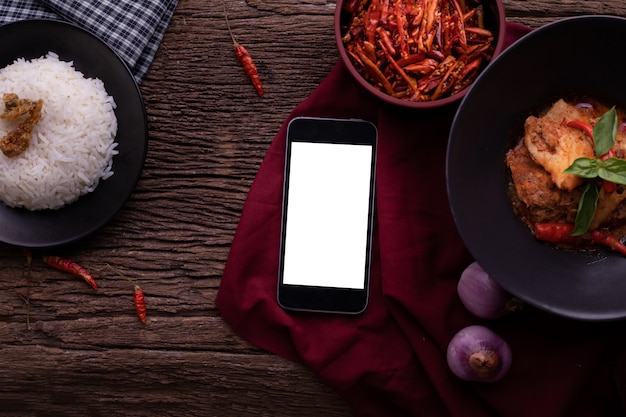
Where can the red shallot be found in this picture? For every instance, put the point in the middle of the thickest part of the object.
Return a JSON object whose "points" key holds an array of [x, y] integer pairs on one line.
{"points": [[476, 353], [483, 296]]}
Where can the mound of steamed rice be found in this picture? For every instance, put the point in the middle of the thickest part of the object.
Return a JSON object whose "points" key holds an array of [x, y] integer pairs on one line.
{"points": [[72, 145]]}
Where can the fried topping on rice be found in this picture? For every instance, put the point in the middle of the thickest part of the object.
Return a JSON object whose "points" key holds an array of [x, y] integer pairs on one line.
{"points": [[17, 141]]}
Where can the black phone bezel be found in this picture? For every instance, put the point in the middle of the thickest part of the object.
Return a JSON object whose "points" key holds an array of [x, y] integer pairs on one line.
{"points": [[321, 298]]}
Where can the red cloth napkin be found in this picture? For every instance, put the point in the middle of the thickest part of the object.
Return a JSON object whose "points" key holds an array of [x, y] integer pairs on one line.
{"points": [[390, 361]]}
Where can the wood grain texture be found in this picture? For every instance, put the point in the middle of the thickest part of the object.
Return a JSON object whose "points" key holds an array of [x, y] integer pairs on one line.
{"points": [[535, 13], [86, 353]]}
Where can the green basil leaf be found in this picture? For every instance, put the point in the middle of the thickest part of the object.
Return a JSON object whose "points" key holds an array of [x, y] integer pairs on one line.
{"points": [[614, 170], [605, 132], [586, 209], [584, 167]]}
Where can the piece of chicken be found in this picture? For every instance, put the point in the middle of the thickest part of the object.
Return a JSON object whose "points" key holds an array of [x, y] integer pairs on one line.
{"points": [[533, 186], [555, 146]]}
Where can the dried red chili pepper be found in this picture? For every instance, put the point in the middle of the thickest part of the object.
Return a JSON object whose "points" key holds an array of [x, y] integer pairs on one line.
{"points": [[579, 124], [246, 61], [555, 232], [604, 237], [138, 296], [375, 72], [609, 186], [402, 37], [72, 267], [140, 303], [609, 154]]}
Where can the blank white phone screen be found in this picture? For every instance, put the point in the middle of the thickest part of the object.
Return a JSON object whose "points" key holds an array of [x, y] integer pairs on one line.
{"points": [[327, 215]]}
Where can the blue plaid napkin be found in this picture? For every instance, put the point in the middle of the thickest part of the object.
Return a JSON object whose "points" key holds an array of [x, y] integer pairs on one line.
{"points": [[133, 28]]}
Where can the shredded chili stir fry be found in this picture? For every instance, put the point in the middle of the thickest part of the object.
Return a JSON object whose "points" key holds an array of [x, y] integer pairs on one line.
{"points": [[417, 50]]}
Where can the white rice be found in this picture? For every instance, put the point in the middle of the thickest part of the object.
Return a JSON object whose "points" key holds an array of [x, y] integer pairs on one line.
{"points": [[72, 145]]}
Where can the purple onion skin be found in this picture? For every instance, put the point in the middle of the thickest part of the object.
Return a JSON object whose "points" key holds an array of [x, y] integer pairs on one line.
{"points": [[476, 353], [483, 296]]}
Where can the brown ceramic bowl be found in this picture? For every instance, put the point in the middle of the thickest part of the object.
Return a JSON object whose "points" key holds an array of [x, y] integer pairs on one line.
{"points": [[494, 20]]}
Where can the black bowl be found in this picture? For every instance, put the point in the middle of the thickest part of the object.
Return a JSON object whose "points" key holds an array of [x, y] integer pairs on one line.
{"points": [[46, 228], [575, 56]]}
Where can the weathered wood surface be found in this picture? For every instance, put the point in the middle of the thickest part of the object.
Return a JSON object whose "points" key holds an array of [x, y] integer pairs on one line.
{"points": [[85, 352]]}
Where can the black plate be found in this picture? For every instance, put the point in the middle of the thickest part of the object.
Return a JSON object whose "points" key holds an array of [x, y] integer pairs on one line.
{"points": [[583, 55], [31, 39]]}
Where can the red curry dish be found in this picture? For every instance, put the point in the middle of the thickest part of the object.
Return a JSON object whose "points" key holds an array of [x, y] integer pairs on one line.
{"points": [[573, 210]]}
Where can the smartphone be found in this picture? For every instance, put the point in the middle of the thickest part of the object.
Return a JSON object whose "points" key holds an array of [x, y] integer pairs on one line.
{"points": [[327, 215]]}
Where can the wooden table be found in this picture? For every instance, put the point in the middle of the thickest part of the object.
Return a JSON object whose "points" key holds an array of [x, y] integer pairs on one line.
{"points": [[86, 353]]}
